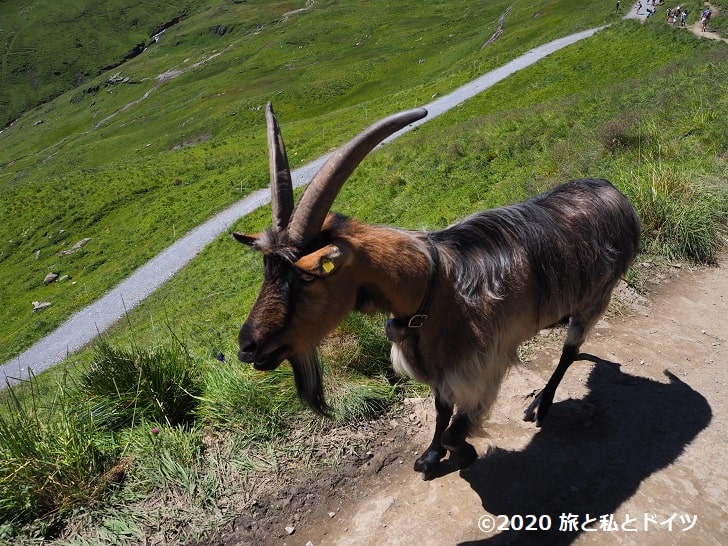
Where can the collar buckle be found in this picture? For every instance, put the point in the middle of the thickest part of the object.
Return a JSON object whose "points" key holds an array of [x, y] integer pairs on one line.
{"points": [[397, 329], [417, 321]]}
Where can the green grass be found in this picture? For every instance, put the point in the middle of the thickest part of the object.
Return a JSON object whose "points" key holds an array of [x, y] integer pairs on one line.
{"points": [[260, 405], [680, 216], [39, 62], [53, 456], [133, 183], [123, 387], [656, 125]]}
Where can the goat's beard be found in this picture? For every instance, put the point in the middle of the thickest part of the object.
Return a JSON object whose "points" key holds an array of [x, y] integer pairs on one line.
{"points": [[308, 373]]}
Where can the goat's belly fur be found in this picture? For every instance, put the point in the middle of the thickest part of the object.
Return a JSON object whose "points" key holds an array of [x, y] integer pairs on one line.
{"points": [[402, 366], [471, 386]]}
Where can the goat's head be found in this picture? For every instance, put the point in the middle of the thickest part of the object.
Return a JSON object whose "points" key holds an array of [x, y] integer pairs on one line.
{"points": [[308, 285]]}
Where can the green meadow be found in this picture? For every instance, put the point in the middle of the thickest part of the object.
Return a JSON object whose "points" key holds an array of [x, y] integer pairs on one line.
{"points": [[134, 156]]}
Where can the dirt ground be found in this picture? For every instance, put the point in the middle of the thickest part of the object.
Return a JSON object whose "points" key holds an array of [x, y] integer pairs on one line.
{"points": [[633, 451]]}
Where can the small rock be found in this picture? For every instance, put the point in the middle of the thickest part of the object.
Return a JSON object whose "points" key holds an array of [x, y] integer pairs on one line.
{"points": [[332, 514], [50, 278], [75, 248], [290, 529], [40, 305]]}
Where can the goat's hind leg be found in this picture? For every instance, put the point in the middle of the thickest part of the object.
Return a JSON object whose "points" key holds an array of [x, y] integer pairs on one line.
{"points": [[429, 462], [538, 409], [579, 327]]}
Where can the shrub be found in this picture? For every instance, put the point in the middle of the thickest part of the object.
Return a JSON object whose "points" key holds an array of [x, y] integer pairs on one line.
{"points": [[682, 218], [125, 386]]}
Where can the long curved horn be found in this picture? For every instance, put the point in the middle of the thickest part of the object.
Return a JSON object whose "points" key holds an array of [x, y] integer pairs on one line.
{"points": [[314, 204], [281, 186]]}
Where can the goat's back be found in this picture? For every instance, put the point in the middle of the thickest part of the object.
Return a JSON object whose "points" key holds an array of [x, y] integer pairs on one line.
{"points": [[567, 244]]}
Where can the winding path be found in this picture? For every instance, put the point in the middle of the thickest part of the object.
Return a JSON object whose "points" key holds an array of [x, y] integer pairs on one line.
{"points": [[86, 324]]}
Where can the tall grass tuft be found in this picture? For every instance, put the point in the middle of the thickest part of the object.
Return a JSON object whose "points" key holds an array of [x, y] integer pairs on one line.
{"points": [[360, 382], [123, 387], [682, 218], [258, 404], [51, 457], [354, 399], [359, 346], [162, 457]]}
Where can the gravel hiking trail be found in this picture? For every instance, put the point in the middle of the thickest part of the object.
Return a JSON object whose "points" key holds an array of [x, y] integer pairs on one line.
{"points": [[633, 451]]}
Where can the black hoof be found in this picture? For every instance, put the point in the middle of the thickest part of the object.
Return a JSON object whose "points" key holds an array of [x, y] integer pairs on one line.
{"points": [[533, 409], [429, 464], [543, 410], [537, 413]]}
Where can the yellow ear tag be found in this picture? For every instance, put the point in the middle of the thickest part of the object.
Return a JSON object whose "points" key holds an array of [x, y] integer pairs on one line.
{"points": [[327, 265]]}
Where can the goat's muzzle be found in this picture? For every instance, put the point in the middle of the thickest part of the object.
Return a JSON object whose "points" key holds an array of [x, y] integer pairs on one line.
{"points": [[252, 352], [263, 362]]}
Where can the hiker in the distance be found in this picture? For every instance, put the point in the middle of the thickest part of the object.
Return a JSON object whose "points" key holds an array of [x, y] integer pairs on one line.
{"points": [[704, 19]]}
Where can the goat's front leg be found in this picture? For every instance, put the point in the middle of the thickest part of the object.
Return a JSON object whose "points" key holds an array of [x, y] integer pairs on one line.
{"points": [[462, 453], [429, 462]]}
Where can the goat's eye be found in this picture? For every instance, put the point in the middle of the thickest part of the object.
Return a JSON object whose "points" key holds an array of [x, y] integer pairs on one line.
{"points": [[307, 277]]}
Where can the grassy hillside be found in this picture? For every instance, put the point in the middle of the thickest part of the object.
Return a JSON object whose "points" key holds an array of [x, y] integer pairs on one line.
{"points": [[179, 134], [51, 47], [104, 424]]}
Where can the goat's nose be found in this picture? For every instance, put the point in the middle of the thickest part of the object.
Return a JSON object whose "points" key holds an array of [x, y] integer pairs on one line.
{"points": [[248, 345], [247, 352]]}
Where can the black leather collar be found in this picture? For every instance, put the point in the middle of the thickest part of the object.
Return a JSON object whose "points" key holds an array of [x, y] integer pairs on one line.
{"points": [[398, 328]]}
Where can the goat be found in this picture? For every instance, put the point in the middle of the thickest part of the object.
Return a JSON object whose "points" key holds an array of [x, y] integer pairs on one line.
{"points": [[460, 300]]}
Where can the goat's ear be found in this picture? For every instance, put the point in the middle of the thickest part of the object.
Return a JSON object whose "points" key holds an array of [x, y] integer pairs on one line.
{"points": [[249, 240], [325, 261]]}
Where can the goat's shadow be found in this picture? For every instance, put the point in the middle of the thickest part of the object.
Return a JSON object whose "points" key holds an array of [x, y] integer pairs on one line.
{"points": [[590, 465]]}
